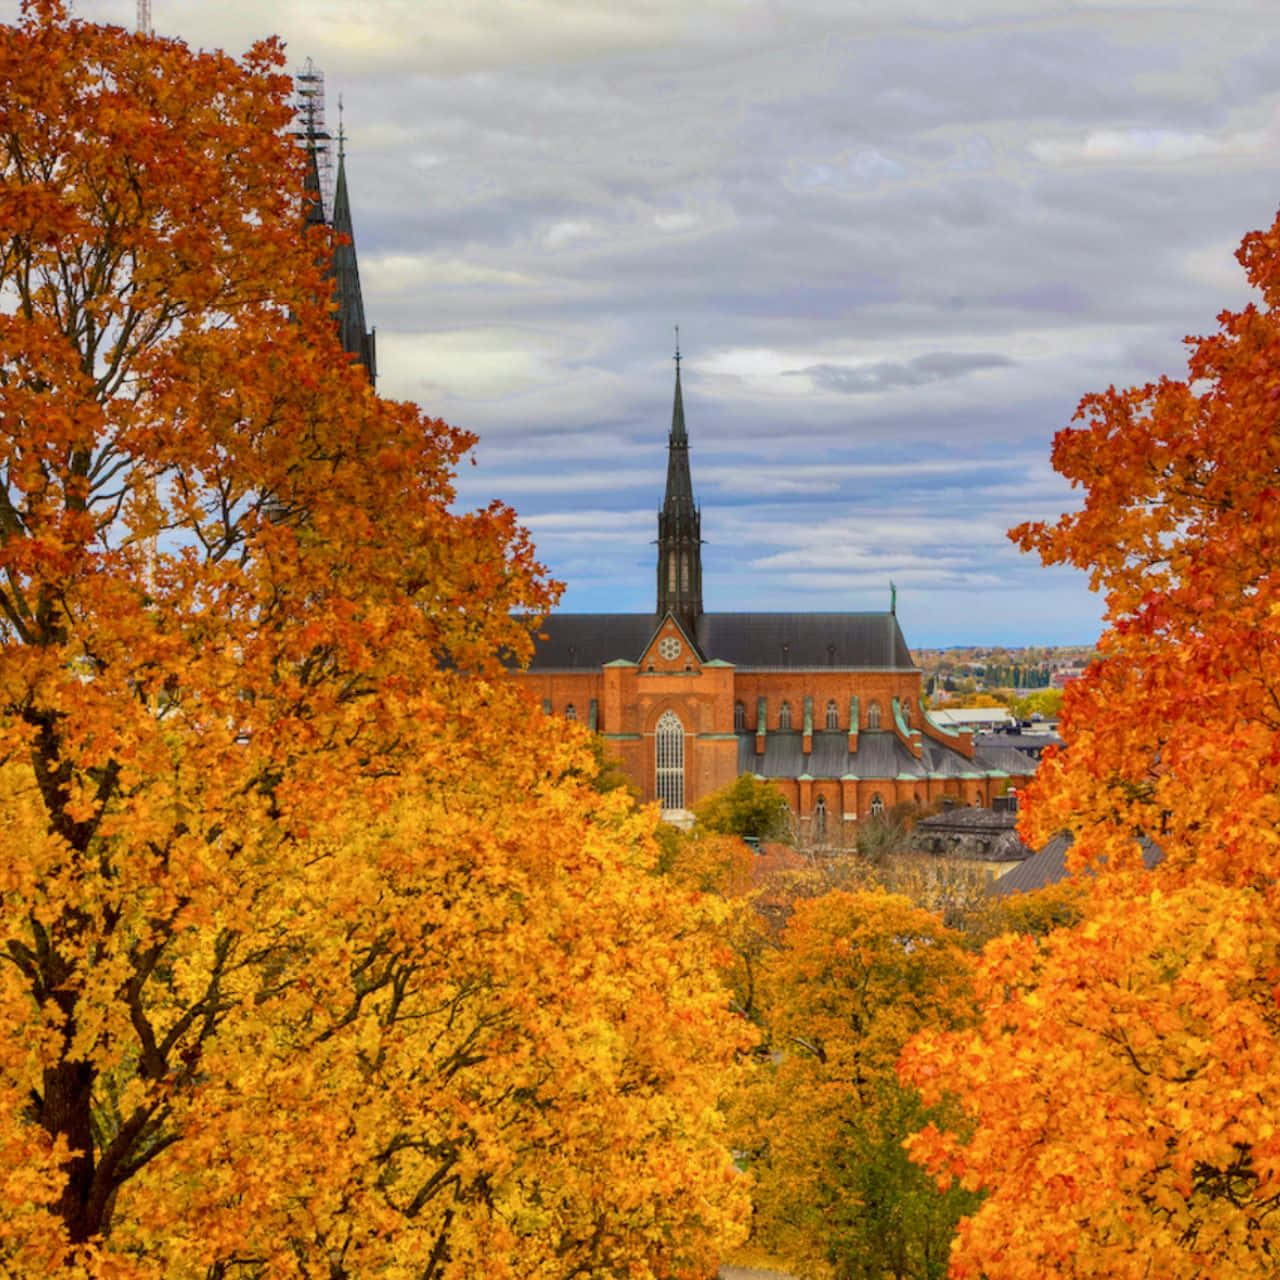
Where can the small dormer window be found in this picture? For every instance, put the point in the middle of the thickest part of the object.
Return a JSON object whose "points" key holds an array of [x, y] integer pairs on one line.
{"points": [[784, 717], [571, 712], [833, 715]]}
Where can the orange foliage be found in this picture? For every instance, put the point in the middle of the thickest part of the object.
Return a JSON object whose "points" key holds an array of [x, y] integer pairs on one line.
{"points": [[1174, 731], [1124, 1079], [322, 954]]}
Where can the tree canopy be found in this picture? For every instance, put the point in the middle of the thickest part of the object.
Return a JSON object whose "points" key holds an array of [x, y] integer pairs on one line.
{"points": [[855, 975], [1120, 1089], [322, 955]]}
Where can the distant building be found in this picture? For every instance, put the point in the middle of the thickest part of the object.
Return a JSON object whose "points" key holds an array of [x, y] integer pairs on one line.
{"points": [[826, 705], [976, 718], [985, 838]]}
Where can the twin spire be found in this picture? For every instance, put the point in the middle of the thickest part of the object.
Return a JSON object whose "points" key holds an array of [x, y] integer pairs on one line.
{"points": [[679, 527], [343, 268]]}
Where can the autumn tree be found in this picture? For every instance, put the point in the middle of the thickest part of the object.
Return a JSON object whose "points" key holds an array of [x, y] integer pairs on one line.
{"points": [[856, 975], [1123, 1084], [1146, 1035], [321, 956]]}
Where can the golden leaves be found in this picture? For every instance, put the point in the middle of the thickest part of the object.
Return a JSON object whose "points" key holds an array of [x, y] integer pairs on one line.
{"points": [[321, 951]]}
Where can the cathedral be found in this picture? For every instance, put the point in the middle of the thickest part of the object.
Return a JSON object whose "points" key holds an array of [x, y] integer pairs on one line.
{"points": [[827, 706]]}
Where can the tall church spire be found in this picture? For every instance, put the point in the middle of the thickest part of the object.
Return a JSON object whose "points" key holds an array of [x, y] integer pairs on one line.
{"points": [[356, 340], [679, 526], [327, 203]]}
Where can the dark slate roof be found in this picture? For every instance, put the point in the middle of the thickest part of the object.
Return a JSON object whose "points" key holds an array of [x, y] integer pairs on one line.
{"points": [[992, 757], [1050, 865], [782, 640], [971, 832], [942, 762], [879, 755], [1033, 742], [585, 640], [968, 819], [751, 641]]}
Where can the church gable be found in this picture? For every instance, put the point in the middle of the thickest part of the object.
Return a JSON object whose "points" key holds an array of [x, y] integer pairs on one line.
{"points": [[671, 649]]}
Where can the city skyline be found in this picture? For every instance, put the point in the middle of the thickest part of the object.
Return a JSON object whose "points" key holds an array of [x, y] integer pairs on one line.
{"points": [[899, 250]]}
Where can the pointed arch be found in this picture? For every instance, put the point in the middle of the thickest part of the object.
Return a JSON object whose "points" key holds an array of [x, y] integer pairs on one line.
{"points": [[570, 712], [739, 717], [877, 805], [784, 717], [669, 759], [833, 715], [820, 819], [873, 715]]}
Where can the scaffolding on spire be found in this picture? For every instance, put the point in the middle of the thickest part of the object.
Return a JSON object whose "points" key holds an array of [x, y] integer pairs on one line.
{"points": [[144, 17], [310, 130]]}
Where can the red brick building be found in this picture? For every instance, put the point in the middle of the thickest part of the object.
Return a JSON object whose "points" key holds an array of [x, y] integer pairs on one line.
{"points": [[825, 705]]}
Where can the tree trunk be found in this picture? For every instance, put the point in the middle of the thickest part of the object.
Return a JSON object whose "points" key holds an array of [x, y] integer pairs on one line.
{"points": [[66, 1111]]}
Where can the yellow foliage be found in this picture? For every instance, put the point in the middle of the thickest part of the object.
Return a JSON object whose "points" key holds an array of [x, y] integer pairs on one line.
{"points": [[857, 973], [322, 955]]}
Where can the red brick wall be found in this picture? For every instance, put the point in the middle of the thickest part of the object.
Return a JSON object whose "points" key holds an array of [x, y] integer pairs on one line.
{"points": [[633, 697]]}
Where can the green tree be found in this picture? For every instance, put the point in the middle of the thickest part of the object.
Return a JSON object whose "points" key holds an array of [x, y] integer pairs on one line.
{"points": [[747, 807], [1043, 702]]}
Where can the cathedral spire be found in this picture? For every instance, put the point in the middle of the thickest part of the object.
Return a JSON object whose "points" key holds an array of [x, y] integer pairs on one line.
{"points": [[679, 526], [327, 203], [356, 340]]}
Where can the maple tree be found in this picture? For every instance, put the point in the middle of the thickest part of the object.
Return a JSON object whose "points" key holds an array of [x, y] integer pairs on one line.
{"points": [[1122, 1080], [322, 954], [1121, 1084], [856, 974]]}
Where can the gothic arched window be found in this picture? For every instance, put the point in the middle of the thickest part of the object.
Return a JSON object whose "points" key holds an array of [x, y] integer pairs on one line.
{"points": [[669, 746], [833, 715], [571, 712], [820, 818], [784, 716], [906, 714], [877, 805], [739, 717], [873, 716]]}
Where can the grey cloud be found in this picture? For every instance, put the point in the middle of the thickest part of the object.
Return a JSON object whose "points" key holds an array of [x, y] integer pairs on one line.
{"points": [[838, 186], [886, 375]]}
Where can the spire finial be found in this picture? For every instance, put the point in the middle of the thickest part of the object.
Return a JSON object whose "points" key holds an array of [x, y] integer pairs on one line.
{"points": [[677, 348], [342, 133]]}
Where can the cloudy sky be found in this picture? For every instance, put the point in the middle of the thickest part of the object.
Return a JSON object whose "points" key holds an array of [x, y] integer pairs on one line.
{"points": [[901, 240]]}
